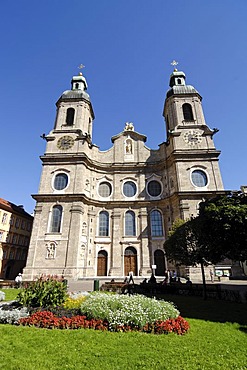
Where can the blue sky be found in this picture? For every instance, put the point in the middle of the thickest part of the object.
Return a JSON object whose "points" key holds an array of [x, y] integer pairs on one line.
{"points": [[127, 47]]}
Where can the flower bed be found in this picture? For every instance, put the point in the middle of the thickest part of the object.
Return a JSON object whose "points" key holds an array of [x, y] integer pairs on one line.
{"points": [[46, 319], [113, 312]]}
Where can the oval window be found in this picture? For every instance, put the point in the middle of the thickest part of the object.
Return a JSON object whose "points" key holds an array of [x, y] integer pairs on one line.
{"points": [[154, 188], [129, 189], [199, 178], [61, 181], [105, 189]]}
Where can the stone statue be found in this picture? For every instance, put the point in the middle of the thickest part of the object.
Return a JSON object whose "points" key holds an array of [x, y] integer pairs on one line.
{"points": [[129, 126]]}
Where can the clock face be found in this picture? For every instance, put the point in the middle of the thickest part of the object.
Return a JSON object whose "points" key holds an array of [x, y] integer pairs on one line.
{"points": [[65, 142], [192, 137]]}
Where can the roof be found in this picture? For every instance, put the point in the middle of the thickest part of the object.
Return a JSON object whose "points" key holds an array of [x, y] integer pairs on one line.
{"points": [[13, 208], [74, 94], [182, 89]]}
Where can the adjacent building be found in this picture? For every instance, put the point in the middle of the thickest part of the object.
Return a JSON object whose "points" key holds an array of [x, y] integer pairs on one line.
{"points": [[15, 232], [107, 213]]}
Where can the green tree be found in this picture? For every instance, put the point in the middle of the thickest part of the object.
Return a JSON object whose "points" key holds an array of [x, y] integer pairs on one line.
{"points": [[218, 232], [185, 246], [224, 225]]}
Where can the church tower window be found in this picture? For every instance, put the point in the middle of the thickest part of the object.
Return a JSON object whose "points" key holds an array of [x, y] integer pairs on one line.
{"points": [[70, 116], [130, 225], [104, 223], [156, 223], [61, 181], [199, 178], [56, 219], [187, 112]]}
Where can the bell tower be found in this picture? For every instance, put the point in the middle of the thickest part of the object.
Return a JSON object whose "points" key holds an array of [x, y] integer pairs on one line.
{"points": [[74, 109], [191, 154]]}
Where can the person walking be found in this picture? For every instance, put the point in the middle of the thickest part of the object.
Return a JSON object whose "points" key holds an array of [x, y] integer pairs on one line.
{"points": [[18, 280]]}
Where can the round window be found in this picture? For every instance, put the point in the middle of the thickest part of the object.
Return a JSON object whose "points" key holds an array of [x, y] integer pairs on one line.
{"points": [[105, 189], [199, 178], [61, 181], [129, 189], [154, 188]]}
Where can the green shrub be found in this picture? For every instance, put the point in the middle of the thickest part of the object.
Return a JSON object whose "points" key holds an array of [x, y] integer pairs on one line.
{"points": [[46, 291], [120, 310]]}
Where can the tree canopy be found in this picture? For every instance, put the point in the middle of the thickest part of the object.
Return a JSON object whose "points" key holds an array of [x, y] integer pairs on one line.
{"points": [[218, 232]]}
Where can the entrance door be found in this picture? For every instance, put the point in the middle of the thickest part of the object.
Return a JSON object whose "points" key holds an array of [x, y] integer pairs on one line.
{"points": [[130, 261], [159, 261], [102, 264]]}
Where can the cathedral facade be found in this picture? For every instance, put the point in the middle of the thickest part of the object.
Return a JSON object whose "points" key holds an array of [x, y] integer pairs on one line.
{"points": [[108, 213]]}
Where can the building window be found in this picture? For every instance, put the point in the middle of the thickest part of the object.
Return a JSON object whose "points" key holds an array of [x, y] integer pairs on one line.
{"points": [[129, 189], [4, 218], [18, 254], [56, 219], [17, 223], [105, 189], [26, 241], [130, 224], [28, 226], [154, 188], [12, 254], [23, 224], [60, 181], [199, 178], [187, 112], [70, 116], [103, 223], [15, 239], [1, 236], [156, 223]]}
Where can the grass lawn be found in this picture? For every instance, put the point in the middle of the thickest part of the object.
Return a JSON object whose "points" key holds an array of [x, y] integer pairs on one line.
{"points": [[208, 345], [10, 293]]}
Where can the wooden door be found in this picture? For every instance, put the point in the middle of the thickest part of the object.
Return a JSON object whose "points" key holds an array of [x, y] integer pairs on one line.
{"points": [[102, 263], [130, 261]]}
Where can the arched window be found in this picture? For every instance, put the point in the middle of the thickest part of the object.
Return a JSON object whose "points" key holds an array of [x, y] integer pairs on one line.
{"points": [[156, 223], [187, 111], [103, 223], [56, 219], [70, 116], [130, 224]]}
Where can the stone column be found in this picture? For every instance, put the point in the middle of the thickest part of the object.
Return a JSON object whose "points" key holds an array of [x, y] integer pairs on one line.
{"points": [[116, 268], [145, 264], [73, 243], [29, 272]]}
